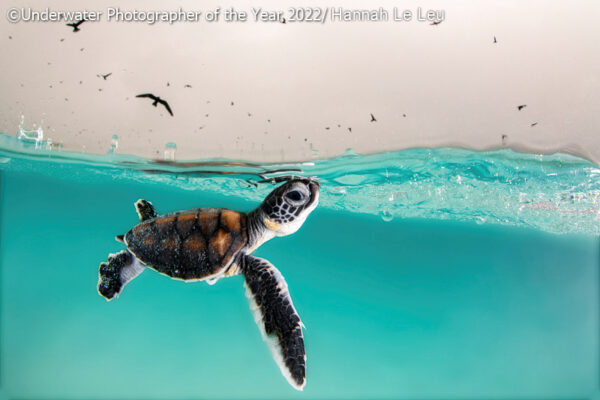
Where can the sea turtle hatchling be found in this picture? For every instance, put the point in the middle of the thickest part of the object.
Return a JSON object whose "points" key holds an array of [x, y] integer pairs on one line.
{"points": [[207, 244]]}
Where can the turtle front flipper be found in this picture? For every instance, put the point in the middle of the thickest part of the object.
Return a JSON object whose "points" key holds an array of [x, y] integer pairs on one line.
{"points": [[117, 272], [145, 210], [276, 317]]}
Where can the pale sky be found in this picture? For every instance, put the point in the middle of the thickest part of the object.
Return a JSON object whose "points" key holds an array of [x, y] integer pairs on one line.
{"points": [[292, 84]]}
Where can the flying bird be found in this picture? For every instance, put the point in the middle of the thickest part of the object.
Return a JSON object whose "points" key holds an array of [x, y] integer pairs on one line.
{"points": [[188, 86], [534, 124], [373, 118], [157, 100], [75, 25], [435, 23], [522, 106], [105, 76]]}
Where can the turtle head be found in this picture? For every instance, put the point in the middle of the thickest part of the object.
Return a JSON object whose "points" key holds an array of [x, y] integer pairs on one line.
{"points": [[285, 209]]}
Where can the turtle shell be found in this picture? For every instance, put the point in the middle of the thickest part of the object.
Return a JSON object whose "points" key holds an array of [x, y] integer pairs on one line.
{"points": [[189, 245]]}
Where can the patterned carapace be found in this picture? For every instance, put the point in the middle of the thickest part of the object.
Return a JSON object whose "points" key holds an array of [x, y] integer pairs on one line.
{"points": [[189, 244]]}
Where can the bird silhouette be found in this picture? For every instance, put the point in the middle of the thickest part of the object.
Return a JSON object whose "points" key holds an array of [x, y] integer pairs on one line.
{"points": [[105, 76], [534, 124], [157, 100], [75, 25], [522, 106], [435, 23], [373, 118]]}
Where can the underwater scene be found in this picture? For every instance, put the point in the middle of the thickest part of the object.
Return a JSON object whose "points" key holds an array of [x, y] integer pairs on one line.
{"points": [[423, 273]]}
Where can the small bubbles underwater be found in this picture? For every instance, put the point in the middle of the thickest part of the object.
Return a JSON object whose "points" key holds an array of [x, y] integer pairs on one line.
{"points": [[480, 220], [386, 215], [389, 198]]}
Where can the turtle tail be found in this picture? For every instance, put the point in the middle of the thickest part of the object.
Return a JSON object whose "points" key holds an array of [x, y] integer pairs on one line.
{"points": [[117, 272]]}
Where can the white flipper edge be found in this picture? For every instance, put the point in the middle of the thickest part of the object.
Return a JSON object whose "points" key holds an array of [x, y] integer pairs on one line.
{"points": [[272, 339], [129, 272]]}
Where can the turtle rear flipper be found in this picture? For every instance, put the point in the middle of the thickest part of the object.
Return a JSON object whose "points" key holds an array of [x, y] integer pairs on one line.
{"points": [[145, 210], [276, 317], [117, 272]]}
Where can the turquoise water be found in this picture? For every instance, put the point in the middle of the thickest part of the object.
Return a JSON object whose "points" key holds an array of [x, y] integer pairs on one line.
{"points": [[423, 274]]}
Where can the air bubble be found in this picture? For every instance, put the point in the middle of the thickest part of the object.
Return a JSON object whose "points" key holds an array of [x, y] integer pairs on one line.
{"points": [[386, 215], [170, 149]]}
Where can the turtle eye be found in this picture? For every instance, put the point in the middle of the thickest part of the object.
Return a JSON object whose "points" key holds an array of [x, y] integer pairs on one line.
{"points": [[295, 196]]}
